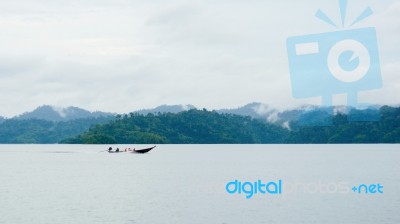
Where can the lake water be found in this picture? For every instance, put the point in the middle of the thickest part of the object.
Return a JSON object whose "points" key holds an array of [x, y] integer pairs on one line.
{"points": [[186, 184]]}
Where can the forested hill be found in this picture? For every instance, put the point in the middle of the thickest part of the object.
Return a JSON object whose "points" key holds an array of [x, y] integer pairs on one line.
{"points": [[38, 131], [188, 127], [387, 130], [202, 126]]}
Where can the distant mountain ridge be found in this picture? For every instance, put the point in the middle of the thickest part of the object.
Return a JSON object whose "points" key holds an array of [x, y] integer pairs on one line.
{"points": [[211, 127], [266, 113], [254, 110], [50, 113], [166, 109], [47, 124], [57, 114]]}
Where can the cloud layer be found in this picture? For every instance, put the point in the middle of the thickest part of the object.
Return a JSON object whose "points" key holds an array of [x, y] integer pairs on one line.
{"points": [[125, 55]]}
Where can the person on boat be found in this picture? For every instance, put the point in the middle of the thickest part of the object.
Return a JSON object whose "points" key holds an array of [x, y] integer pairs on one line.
{"points": [[110, 149]]}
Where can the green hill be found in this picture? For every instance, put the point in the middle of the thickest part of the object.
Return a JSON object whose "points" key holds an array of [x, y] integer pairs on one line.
{"points": [[205, 127], [189, 127], [36, 131]]}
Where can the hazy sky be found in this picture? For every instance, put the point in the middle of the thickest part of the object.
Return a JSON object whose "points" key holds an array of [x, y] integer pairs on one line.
{"points": [[124, 55]]}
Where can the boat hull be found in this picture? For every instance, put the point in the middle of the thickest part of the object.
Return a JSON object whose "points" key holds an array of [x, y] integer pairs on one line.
{"points": [[142, 151]]}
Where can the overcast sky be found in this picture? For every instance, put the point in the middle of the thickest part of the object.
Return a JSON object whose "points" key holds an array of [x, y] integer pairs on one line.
{"points": [[124, 55]]}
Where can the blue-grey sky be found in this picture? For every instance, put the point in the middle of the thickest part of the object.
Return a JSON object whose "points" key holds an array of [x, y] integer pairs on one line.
{"points": [[124, 55]]}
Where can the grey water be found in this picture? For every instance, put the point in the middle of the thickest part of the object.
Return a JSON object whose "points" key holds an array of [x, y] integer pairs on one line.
{"points": [[186, 184]]}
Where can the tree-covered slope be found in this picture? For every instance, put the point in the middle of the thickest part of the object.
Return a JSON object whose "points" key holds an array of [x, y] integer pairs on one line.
{"points": [[14, 131], [193, 126], [205, 127], [202, 127], [386, 130]]}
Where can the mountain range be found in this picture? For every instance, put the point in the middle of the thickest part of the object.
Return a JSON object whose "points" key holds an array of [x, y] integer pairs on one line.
{"points": [[50, 113], [317, 126], [166, 109], [185, 124], [254, 110]]}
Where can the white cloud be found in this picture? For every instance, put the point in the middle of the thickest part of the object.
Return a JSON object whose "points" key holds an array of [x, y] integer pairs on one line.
{"points": [[125, 55]]}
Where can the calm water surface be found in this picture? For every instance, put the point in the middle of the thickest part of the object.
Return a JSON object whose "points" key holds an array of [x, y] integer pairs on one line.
{"points": [[186, 184]]}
